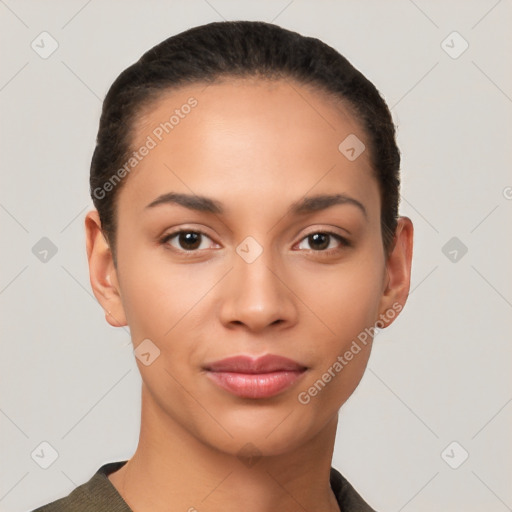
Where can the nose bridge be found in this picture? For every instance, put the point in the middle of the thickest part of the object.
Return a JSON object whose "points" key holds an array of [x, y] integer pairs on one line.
{"points": [[256, 295]]}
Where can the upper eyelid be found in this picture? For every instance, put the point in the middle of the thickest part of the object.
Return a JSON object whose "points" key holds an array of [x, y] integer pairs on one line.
{"points": [[327, 231]]}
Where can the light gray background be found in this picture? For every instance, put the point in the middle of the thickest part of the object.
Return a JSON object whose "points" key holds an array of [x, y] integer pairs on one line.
{"points": [[440, 374]]}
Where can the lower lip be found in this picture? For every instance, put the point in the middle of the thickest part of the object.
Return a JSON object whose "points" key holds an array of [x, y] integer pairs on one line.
{"points": [[255, 385]]}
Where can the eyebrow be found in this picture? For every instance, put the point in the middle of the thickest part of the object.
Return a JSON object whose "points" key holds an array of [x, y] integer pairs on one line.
{"points": [[306, 205]]}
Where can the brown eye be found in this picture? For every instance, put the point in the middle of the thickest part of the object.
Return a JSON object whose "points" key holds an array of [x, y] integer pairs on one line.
{"points": [[319, 241], [322, 241], [188, 241]]}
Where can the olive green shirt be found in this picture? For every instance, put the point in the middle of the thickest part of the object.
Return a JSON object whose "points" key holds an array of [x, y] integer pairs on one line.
{"points": [[99, 495]]}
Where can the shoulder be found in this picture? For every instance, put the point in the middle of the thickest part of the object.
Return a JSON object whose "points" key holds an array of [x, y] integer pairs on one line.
{"points": [[95, 495], [348, 498]]}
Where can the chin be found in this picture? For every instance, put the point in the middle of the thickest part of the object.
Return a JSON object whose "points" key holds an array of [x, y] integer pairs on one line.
{"points": [[264, 435]]}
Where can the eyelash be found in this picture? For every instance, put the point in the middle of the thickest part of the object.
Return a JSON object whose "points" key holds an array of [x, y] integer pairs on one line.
{"points": [[327, 252]]}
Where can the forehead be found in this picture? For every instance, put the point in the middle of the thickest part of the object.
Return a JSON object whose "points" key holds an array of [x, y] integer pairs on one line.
{"points": [[255, 106], [260, 138]]}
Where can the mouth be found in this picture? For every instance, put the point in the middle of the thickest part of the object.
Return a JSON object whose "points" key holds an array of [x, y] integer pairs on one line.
{"points": [[262, 377]]}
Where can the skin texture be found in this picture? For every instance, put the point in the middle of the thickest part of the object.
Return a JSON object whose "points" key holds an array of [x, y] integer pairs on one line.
{"points": [[255, 146]]}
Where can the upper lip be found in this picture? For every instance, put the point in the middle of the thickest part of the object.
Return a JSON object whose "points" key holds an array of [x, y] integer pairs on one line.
{"points": [[246, 364]]}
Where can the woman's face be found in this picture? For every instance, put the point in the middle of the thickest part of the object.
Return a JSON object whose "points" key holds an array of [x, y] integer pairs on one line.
{"points": [[260, 268]]}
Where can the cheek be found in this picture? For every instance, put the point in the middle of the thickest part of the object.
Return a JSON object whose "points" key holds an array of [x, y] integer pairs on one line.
{"points": [[162, 302], [158, 295], [343, 300], [346, 304]]}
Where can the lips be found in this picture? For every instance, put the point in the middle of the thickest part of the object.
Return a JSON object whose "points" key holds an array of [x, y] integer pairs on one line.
{"points": [[262, 377]]}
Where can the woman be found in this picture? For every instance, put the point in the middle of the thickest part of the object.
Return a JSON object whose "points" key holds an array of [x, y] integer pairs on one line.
{"points": [[246, 185]]}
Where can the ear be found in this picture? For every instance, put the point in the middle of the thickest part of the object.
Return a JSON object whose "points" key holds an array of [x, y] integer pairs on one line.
{"points": [[398, 273], [102, 271]]}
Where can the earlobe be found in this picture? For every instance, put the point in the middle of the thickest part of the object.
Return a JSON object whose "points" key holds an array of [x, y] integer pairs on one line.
{"points": [[398, 273], [102, 271]]}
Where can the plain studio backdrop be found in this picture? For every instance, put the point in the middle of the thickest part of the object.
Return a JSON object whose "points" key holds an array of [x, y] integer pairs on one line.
{"points": [[429, 426]]}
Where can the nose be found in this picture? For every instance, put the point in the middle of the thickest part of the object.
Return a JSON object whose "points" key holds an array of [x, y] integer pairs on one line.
{"points": [[258, 295]]}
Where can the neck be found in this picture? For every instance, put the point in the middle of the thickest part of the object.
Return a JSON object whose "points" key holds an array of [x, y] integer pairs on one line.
{"points": [[174, 470]]}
